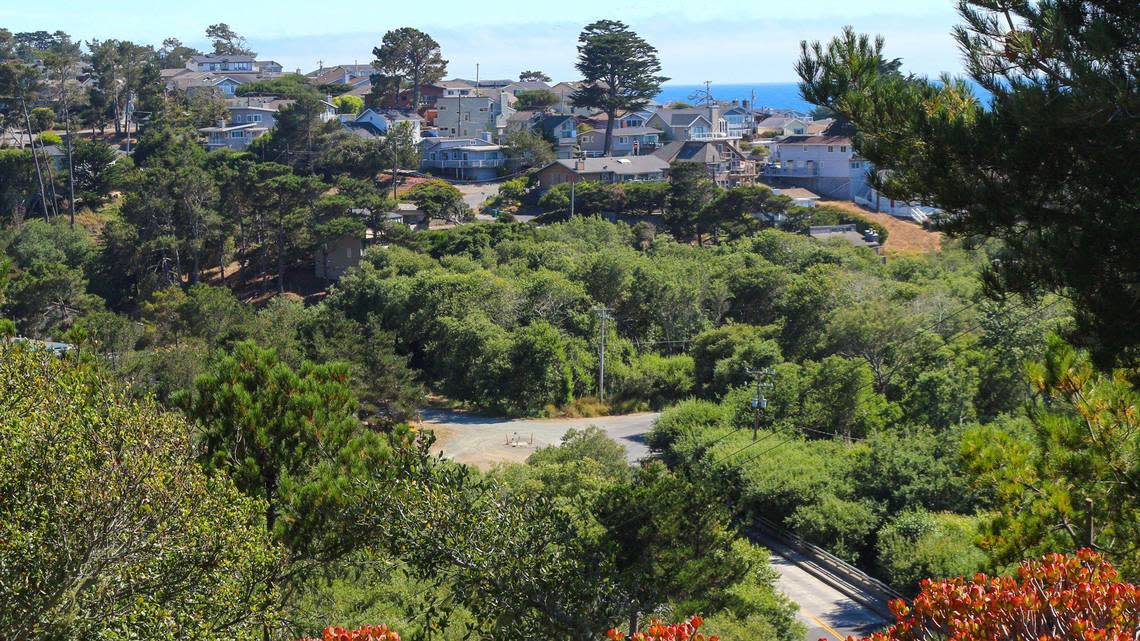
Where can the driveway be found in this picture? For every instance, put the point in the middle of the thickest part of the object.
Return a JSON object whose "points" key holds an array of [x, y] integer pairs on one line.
{"points": [[482, 441]]}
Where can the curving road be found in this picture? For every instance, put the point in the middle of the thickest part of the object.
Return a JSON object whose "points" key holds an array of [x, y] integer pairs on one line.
{"points": [[483, 441]]}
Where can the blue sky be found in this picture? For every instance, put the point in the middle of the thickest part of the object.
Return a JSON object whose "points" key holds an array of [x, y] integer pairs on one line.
{"points": [[718, 40]]}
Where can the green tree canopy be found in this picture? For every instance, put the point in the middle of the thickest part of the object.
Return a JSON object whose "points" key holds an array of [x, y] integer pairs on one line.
{"points": [[409, 54], [620, 69], [1059, 195]]}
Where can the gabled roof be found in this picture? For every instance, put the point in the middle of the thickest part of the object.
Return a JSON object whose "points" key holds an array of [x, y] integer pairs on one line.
{"points": [[625, 165], [528, 85], [837, 133], [708, 152]]}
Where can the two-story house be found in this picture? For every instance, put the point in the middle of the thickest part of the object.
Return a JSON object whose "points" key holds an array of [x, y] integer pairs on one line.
{"points": [[474, 115], [464, 158], [819, 162], [624, 141], [691, 123], [725, 163], [606, 169], [249, 118], [352, 75], [739, 120], [562, 131], [234, 64], [381, 120]]}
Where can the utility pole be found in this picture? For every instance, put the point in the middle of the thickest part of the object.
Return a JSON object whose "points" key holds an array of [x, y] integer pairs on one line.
{"points": [[603, 314], [35, 158], [765, 381]]}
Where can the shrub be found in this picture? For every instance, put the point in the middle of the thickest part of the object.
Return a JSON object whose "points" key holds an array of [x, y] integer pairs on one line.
{"points": [[919, 544]]}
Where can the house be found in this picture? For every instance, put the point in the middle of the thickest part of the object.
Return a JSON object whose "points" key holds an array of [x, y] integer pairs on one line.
{"points": [[725, 163], [862, 193], [819, 162], [849, 233], [775, 123], [429, 94], [529, 85], [696, 123], [800, 196], [351, 75], [236, 137], [605, 169], [739, 120], [465, 158], [268, 66], [381, 120], [248, 118], [471, 116], [624, 141], [456, 88], [562, 131], [236, 64], [333, 258], [565, 105]]}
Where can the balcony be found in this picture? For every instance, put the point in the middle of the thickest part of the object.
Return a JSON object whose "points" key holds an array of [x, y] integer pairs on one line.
{"points": [[465, 164], [791, 172], [714, 135]]}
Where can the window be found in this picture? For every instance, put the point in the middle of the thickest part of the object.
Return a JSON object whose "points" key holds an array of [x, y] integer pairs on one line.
{"points": [[843, 148], [441, 108], [467, 116], [255, 117], [623, 140], [830, 148], [237, 134], [431, 156]]}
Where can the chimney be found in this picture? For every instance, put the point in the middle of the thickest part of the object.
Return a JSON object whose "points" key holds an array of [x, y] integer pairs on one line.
{"points": [[745, 104], [579, 164]]}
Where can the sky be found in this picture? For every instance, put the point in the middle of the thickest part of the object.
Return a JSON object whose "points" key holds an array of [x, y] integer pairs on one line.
{"points": [[719, 40]]}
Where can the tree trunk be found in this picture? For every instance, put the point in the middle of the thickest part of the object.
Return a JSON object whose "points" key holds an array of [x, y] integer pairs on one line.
{"points": [[415, 90], [281, 255], [609, 131]]}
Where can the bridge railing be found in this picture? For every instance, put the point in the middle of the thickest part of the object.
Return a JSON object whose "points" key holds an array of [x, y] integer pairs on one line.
{"points": [[825, 566]]}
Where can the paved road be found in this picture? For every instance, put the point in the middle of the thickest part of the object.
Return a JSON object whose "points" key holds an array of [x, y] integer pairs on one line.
{"points": [[483, 441], [827, 612]]}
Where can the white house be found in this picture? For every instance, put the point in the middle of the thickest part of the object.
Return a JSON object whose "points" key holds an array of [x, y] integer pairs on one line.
{"points": [[465, 158], [473, 115]]}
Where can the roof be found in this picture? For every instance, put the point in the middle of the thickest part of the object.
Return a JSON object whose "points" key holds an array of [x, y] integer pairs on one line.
{"points": [[247, 125], [846, 232], [822, 139], [625, 165], [213, 58], [259, 103], [528, 85], [391, 114], [703, 151], [455, 84], [797, 193]]}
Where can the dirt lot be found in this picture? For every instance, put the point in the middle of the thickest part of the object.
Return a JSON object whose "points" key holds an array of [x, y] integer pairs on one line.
{"points": [[903, 237], [483, 441]]}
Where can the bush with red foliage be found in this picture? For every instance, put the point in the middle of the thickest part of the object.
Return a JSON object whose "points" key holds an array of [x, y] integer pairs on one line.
{"points": [[1056, 598], [366, 633], [658, 631]]}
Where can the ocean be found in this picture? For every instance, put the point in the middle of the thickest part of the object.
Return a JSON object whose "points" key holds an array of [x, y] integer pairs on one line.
{"points": [[780, 95]]}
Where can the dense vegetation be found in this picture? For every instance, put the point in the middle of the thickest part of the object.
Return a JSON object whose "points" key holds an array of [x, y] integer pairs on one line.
{"points": [[226, 452]]}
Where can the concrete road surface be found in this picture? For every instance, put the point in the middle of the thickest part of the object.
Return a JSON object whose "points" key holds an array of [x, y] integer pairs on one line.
{"points": [[827, 612], [483, 441]]}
